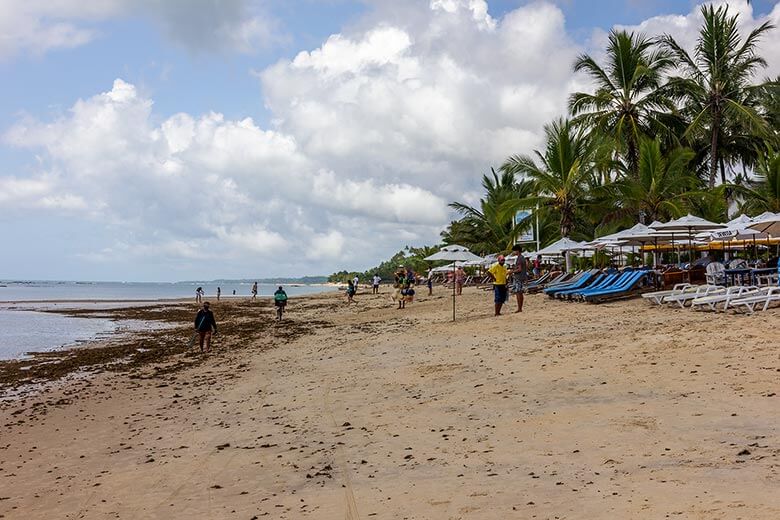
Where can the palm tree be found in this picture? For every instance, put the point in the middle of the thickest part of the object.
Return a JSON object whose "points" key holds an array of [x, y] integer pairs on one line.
{"points": [[761, 193], [715, 87], [562, 175], [660, 189], [486, 228], [629, 100]]}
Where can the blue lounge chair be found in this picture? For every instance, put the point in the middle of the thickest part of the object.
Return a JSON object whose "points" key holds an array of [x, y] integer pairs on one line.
{"points": [[628, 286], [577, 282], [598, 281]]}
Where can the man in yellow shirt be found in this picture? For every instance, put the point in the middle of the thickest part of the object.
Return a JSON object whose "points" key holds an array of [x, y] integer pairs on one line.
{"points": [[498, 273]]}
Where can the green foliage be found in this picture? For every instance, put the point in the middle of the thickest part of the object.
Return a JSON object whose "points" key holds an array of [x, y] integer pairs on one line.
{"points": [[488, 229], [719, 100], [409, 257]]}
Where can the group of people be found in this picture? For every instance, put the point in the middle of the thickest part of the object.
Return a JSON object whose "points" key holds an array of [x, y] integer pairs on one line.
{"points": [[206, 324], [501, 275], [200, 293]]}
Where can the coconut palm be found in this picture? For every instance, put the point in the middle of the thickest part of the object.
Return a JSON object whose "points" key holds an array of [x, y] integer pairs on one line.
{"points": [[486, 228], [660, 189], [629, 100], [761, 193], [561, 174], [716, 87]]}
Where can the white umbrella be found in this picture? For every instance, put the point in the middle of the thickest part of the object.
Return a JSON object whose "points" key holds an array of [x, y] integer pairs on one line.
{"points": [[454, 253], [560, 247], [689, 223]]}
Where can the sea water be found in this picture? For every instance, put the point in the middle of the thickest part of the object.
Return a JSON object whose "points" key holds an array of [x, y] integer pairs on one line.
{"points": [[14, 291], [23, 328]]}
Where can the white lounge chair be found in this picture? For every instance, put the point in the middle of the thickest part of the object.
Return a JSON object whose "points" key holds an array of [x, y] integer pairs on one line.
{"points": [[702, 290], [657, 297], [726, 298], [763, 298]]}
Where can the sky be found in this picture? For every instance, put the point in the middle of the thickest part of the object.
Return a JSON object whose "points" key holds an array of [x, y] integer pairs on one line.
{"points": [[164, 140]]}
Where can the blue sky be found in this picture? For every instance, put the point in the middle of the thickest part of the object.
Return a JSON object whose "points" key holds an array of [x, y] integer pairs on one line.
{"points": [[352, 151]]}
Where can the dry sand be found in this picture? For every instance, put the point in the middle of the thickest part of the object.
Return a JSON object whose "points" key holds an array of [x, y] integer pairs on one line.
{"points": [[564, 411]]}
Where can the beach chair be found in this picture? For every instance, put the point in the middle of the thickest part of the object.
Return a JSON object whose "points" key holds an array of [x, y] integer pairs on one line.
{"points": [[539, 281], [715, 273], [577, 282], [657, 297], [627, 285], [712, 301], [685, 297], [605, 281], [600, 280], [762, 298], [548, 282]]}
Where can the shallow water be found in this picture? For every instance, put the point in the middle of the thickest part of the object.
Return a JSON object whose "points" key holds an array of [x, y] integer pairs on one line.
{"points": [[29, 331]]}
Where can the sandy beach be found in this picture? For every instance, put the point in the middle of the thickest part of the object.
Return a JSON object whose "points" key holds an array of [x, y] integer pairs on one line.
{"points": [[567, 410]]}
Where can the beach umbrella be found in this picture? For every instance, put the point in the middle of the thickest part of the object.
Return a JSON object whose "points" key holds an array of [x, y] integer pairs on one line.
{"points": [[768, 223], [689, 224], [454, 253], [560, 248]]}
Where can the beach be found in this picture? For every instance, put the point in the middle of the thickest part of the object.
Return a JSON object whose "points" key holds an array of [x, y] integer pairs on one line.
{"points": [[619, 410]]}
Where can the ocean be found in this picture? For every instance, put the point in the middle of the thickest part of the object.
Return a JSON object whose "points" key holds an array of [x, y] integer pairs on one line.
{"points": [[24, 329]]}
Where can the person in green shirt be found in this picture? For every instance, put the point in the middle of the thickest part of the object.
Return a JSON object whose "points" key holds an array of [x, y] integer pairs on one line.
{"points": [[280, 301], [498, 272]]}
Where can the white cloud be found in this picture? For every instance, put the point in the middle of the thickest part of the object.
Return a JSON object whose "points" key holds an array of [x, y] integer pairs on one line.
{"points": [[373, 132], [685, 29], [38, 26], [188, 184]]}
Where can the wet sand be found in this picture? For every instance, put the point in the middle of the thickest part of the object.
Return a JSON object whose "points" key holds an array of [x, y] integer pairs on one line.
{"points": [[567, 410]]}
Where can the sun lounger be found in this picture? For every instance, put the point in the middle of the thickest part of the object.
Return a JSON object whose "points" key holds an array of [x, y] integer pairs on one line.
{"points": [[600, 280], [625, 286], [712, 301], [606, 281], [658, 296], [549, 282], [577, 282], [762, 298], [685, 297]]}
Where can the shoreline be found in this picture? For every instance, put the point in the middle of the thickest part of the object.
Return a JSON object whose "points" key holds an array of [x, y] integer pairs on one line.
{"points": [[360, 411]]}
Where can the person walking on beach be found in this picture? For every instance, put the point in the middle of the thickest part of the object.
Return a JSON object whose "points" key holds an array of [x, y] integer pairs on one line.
{"points": [[460, 279], [356, 282], [375, 283], [254, 291], [219, 292], [429, 282], [519, 276], [351, 291], [498, 274], [199, 295], [280, 301], [204, 324]]}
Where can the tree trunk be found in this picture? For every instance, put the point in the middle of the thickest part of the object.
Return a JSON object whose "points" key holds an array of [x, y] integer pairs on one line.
{"points": [[633, 156], [714, 148]]}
